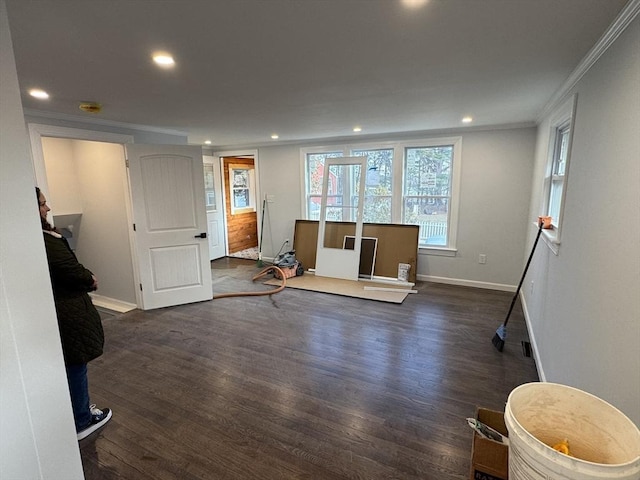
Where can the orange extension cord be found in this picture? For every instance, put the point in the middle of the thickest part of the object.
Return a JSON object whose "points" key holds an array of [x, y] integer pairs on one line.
{"points": [[260, 274]]}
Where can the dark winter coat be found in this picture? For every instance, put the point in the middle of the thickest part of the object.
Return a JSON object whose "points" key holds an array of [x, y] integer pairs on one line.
{"points": [[78, 320]]}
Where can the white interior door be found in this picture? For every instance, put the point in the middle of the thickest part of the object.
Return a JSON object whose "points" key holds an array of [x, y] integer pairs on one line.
{"points": [[167, 193], [342, 201], [215, 207]]}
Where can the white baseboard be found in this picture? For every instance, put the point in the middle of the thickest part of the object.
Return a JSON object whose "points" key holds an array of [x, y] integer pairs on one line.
{"points": [[111, 303], [532, 339], [467, 283], [505, 288]]}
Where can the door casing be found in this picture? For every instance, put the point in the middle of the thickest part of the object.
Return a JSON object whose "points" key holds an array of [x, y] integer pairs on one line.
{"points": [[240, 153]]}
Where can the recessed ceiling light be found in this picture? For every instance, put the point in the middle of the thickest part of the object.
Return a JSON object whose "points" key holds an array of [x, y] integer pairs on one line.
{"points": [[275, 137], [37, 93], [163, 59], [414, 3], [207, 142], [467, 120], [357, 129]]}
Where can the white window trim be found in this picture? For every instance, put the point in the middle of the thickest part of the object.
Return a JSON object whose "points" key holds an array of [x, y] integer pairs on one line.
{"points": [[563, 115], [251, 188], [398, 166], [450, 249]]}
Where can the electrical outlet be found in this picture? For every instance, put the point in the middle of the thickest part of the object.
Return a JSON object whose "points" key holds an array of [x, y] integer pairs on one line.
{"points": [[286, 242], [482, 258]]}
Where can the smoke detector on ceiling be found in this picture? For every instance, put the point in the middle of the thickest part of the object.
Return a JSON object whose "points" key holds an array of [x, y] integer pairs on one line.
{"points": [[90, 107]]}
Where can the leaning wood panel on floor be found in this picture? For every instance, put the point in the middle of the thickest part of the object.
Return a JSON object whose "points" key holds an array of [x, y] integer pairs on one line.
{"points": [[348, 288], [396, 244]]}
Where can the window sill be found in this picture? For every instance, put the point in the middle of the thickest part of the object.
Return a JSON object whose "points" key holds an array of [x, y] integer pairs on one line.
{"points": [[241, 211], [550, 237], [438, 251]]}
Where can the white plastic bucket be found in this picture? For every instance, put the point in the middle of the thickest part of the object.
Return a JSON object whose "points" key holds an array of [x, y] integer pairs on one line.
{"points": [[403, 272], [603, 442]]}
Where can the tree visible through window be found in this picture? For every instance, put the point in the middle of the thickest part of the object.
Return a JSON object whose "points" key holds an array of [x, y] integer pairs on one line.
{"points": [[427, 191], [315, 173], [241, 181], [406, 182], [378, 185]]}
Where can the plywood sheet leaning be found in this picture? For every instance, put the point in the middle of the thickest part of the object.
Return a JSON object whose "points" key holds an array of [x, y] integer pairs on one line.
{"points": [[396, 244]]}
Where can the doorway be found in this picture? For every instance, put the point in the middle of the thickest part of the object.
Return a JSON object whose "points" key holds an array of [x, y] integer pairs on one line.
{"points": [[242, 205], [83, 174], [167, 193]]}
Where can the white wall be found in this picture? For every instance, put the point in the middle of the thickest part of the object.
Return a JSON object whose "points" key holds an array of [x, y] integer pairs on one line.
{"points": [[494, 203], [585, 307], [103, 240], [37, 434], [62, 177], [493, 219], [279, 170]]}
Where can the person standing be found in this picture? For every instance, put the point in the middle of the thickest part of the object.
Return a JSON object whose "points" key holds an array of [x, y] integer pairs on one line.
{"points": [[78, 321]]}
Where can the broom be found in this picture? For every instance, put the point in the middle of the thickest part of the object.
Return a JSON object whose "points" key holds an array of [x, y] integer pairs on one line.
{"points": [[501, 333], [260, 262]]}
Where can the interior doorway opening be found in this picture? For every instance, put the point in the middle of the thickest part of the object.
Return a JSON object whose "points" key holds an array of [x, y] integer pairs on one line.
{"points": [[242, 202], [83, 175], [167, 196]]}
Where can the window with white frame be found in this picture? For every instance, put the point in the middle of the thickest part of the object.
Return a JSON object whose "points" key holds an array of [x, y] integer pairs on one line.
{"points": [[406, 182], [427, 191], [560, 135], [558, 169], [241, 182], [314, 168], [209, 188], [378, 196]]}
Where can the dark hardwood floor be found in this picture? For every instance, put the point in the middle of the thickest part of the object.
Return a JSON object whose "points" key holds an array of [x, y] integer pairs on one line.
{"points": [[301, 385]]}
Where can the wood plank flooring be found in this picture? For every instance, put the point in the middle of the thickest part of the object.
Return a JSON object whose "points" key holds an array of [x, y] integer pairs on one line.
{"points": [[301, 385]]}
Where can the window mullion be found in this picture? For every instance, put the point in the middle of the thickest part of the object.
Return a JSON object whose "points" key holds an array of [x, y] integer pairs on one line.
{"points": [[398, 175]]}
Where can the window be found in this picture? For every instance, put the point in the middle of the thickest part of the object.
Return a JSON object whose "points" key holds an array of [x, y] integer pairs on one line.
{"points": [[558, 168], [406, 182], [209, 188], [241, 180], [427, 191], [315, 173], [560, 135], [378, 185]]}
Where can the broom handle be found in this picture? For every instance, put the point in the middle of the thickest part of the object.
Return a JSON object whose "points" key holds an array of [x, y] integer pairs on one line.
{"points": [[264, 203], [524, 274]]}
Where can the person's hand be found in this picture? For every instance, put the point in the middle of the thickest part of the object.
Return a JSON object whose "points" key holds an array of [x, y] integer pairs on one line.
{"points": [[94, 285]]}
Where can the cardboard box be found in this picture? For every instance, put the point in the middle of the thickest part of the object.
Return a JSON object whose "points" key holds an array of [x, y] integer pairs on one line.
{"points": [[489, 459]]}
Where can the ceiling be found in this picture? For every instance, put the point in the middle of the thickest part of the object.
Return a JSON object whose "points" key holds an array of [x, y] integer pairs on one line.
{"points": [[302, 69]]}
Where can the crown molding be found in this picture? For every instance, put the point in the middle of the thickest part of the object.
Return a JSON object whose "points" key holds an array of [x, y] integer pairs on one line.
{"points": [[619, 25], [99, 121], [377, 137]]}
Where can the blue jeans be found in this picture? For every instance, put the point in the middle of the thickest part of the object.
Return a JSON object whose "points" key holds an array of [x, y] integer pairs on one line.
{"points": [[79, 389]]}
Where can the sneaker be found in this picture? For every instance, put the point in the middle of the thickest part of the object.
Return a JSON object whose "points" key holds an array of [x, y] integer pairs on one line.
{"points": [[99, 419]]}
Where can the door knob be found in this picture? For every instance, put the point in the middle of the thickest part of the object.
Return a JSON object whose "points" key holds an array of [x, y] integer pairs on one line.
{"points": [[202, 235]]}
